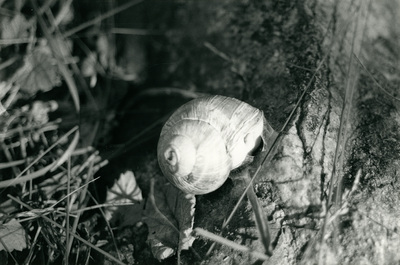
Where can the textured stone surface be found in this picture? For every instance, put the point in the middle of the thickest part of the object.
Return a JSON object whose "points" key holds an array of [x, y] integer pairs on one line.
{"points": [[267, 53]]}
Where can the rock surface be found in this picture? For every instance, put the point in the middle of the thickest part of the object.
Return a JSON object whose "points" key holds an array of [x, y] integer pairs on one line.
{"points": [[345, 56]]}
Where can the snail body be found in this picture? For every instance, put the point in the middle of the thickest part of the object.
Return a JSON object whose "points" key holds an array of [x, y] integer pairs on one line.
{"points": [[207, 138]]}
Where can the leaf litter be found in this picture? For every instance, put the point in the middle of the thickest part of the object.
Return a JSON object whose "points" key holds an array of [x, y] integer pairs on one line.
{"points": [[12, 236], [39, 71], [169, 216], [15, 28], [124, 191]]}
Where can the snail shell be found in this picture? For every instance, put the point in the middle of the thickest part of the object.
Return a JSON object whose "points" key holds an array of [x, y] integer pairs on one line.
{"points": [[206, 138]]}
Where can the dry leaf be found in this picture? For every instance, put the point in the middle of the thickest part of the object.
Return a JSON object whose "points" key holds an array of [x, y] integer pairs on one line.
{"points": [[89, 68], [125, 190], [12, 236], [66, 15], [39, 112], [39, 72], [15, 28], [104, 50], [89, 65], [171, 222], [131, 60]]}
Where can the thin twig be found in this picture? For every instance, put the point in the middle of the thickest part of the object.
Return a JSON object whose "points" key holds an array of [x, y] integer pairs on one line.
{"points": [[72, 192]]}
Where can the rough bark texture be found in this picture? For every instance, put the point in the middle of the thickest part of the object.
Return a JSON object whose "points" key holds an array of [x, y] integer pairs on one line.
{"points": [[346, 54]]}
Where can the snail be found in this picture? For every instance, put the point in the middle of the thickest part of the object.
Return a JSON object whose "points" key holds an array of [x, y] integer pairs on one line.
{"points": [[207, 138]]}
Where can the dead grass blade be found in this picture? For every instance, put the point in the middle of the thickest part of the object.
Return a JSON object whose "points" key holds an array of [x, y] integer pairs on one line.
{"points": [[67, 236], [374, 79], [74, 191], [129, 31], [82, 202], [62, 13], [32, 247], [102, 17], [272, 145], [231, 244], [21, 179], [260, 217], [12, 163], [67, 154], [14, 41], [107, 223], [250, 184], [319, 66], [72, 234], [336, 179], [137, 139], [103, 205], [6, 64], [7, 250], [50, 126], [66, 73]]}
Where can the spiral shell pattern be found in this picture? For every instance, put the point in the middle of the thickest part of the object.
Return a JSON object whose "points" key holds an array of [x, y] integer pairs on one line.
{"points": [[205, 139]]}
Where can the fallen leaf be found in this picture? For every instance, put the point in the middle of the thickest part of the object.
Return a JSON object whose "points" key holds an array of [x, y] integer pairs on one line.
{"points": [[170, 220], [39, 72], [63, 47], [89, 65], [66, 15], [15, 28], [104, 50], [124, 190], [39, 112], [89, 68], [12, 236]]}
